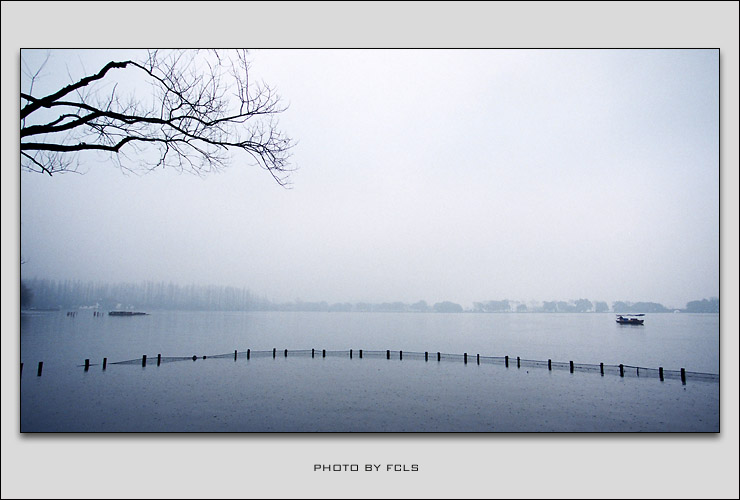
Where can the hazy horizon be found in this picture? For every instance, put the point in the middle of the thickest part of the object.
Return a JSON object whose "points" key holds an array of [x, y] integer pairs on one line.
{"points": [[261, 298], [461, 175]]}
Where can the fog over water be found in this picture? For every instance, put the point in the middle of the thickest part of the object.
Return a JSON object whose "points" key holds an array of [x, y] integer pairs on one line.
{"points": [[461, 175]]}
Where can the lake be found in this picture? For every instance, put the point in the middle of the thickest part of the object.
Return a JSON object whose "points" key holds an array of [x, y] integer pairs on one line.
{"points": [[337, 393]]}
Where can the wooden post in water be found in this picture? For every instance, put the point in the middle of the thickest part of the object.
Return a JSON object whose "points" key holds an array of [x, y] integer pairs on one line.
{"points": [[477, 358], [248, 353], [105, 363], [601, 367], [439, 357], [41, 367], [159, 358], [387, 354], [360, 353], [518, 362], [286, 353], [660, 373], [235, 354], [621, 370], [571, 367], [426, 357], [465, 358], [273, 352], [400, 354], [312, 352], [506, 361], [323, 353], [143, 360], [350, 354], [638, 371], [683, 376], [549, 364], [87, 364]]}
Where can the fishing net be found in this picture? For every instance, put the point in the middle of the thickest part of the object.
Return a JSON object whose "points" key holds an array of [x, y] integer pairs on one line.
{"points": [[511, 362]]}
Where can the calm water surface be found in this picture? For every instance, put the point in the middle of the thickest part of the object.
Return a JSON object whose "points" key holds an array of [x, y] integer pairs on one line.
{"points": [[673, 341], [300, 394]]}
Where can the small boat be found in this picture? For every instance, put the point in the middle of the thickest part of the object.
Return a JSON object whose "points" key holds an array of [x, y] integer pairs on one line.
{"points": [[630, 319], [126, 313]]}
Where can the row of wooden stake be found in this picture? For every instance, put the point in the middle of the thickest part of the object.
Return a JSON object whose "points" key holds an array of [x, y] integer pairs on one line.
{"points": [[388, 356]]}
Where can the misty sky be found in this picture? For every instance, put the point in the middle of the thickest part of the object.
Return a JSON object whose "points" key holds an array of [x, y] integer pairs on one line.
{"points": [[463, 175]]}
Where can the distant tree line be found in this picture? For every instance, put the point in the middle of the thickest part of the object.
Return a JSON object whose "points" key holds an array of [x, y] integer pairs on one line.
{"points": [[639, 307], [69, 294], [703, 306], [555, 306], [394, 307], [26, 296]]}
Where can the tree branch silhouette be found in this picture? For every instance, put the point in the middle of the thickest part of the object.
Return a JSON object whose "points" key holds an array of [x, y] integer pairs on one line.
{"points": [[202, 110]]}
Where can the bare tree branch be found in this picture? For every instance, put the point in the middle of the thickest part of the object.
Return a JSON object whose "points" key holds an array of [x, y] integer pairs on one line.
{"points": [[44, 101], [201, 110]]}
